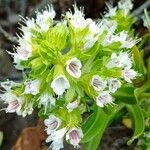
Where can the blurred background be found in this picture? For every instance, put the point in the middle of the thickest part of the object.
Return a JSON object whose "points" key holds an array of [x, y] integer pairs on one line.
{"points": [[12, 125]]}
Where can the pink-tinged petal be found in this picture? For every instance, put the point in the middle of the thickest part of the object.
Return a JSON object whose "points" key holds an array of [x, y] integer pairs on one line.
{"points": [[73, 67], [113, 84], [74, 136], [12, 106], [52, 123], [129, 74], [103, 99], [97, 83]]}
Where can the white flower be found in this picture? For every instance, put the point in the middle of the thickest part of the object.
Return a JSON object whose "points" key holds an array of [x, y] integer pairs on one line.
{"points": [[98, 83], [93, 27], [113, 84], [74, 136], [90, 41], [125, 5], [17, 63], [57, 144], [7, 85], [24, 51], [77, 19], [109, 39], [52, 124], [58, 134], [111, 11], [45, 98], [28, 109], [73, 67], [60, 84], [71, 106], [11, 100], [78, 13], [43, 19], [107, 25], [129, 74], [104, 98], [121, 60], [32, 87], [125, 41]]}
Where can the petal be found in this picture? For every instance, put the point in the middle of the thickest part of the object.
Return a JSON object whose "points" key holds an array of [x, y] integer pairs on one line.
{"points": [[97, 83], [74, 136], [114, 84], [73, 67], [59, 134], [71, 106], [60, 84]]}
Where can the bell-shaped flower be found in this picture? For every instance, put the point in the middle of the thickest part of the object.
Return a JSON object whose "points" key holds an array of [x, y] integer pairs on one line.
{"points": [[73, 67], [113, 84], [104, 98], [52, 124], [74, 136], [98, 83], [125, 5], [111, 10], [57, 144], [44, 19], [114, 62], [60, 84], [125, 40], [71, 106], [56, 135], [121, 60], [28, 109], [11, 100], [24, 50], [129, 74], [32, 87]]}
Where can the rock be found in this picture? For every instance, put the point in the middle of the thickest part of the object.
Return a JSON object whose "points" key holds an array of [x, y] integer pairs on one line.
{"points": [[31, 138], [7, 69]]}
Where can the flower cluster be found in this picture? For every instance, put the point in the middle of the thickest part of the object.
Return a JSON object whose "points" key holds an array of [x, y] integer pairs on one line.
{"points": [[70, 63]]}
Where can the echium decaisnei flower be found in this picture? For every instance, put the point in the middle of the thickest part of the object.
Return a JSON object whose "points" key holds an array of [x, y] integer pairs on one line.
{"points": [[69, 61]]}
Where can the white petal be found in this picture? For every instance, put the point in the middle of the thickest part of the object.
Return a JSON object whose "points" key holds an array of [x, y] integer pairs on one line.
{"points": [[57, 144], [71, 106], [52, 124], [73, 67], [46, 98], [97, 83], [74, 136], [114, 84], [59, 134], [104, 98], [129, 74], [60, 84], [12, 106], [32, 87]]}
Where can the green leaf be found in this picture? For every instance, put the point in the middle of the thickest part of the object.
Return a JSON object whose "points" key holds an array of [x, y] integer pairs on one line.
{"points": [[94, 143], [138, 121], [139, 64], [70, 94], [125, 94], [1, 138], [96, 124]]}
